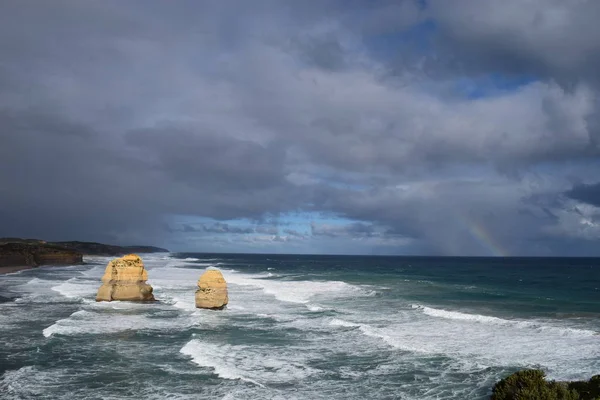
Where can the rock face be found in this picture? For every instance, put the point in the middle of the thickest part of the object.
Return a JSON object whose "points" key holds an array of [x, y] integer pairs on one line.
{"points": [[33, 254], [100, 249], [125, 279], [86, 248], [212, 290]]}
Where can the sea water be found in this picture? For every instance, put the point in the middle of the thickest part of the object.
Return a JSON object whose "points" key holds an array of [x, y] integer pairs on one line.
{"points": [[300, 327]]}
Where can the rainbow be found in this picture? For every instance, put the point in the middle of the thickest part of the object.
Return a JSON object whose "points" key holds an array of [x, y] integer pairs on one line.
{"points": [[483, 237]]}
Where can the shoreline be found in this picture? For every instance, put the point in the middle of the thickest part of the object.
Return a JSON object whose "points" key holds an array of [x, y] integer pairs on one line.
{"points": [[14, 268]]}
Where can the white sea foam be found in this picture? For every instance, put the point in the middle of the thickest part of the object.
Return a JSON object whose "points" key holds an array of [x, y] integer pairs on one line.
{"points": [[207, 265], [173, 278], [484, 319], [184, 301], [18, 383], [101, 260], [115, 317], [374, 332], [341, 322], [76, 289], [294, 291], [38, 282], [94, 272], [37, 290], [33, 382], [259, 365], [567, 353], [211, 357]]}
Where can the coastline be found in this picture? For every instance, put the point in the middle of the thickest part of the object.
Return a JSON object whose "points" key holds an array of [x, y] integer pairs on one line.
{"points": [[20, 254], [15, 268]]}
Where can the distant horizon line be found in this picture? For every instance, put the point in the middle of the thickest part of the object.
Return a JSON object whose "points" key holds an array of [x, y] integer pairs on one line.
{"points": [[371, 255], [304, 254]]}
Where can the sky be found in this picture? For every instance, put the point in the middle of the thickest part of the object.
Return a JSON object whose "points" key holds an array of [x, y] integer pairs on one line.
{"points": [[430, 127]]}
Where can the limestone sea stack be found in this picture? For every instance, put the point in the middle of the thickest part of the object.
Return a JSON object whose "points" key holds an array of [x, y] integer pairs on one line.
{"points": [[212, 290], [125, 279]]}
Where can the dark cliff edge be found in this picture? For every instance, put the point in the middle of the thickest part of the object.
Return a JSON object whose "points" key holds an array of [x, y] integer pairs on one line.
{"points": [[99, 249], [36, 254], [16, 252]]}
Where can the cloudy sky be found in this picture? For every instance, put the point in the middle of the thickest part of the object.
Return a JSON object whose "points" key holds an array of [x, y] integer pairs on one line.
{"points": [[432, 127]]}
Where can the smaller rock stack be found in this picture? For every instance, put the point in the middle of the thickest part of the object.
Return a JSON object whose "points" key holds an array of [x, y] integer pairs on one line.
{"points": [[125, 279], [212, 290]]}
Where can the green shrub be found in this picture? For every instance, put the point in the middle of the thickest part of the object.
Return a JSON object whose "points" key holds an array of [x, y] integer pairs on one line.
{"points": [[589, 390], [530, 384]]}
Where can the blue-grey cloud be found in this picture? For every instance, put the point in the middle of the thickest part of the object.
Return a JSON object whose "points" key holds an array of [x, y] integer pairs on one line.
{"points": [[586, 193], [118, 117]]}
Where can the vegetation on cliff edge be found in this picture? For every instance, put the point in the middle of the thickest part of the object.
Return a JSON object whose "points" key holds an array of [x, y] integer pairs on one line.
{"points": [[531, 384]]}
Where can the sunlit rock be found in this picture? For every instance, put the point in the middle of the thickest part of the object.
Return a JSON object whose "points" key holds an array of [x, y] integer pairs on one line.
{"points": [[212, 290], [125, 279]]}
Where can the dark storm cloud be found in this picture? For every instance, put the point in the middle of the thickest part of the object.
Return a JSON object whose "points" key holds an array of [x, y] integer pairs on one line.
{"points": [[54, 171], [356, 229], [559, 39], [589, 194], [323, 52], [225, 228], [118, 116], [211, 159], [188, 228]]}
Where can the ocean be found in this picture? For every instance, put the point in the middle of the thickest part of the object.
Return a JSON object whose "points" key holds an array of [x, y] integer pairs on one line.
{"points": [[300, 327]]}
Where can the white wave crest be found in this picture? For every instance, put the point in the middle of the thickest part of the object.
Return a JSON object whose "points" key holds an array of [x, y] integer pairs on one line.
{"points": [[484, 319], [565, 352], [341, 322], [378, 333], [254, 364], [295, 291], [211, 357], [77, 289], [113, 317]]}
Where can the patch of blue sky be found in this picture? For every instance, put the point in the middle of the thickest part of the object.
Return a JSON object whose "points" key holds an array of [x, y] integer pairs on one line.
{"points": [[298, 221], [490, 85], [345, 185], [304, 218], [418, 40], [388, 45], [584, 168]]}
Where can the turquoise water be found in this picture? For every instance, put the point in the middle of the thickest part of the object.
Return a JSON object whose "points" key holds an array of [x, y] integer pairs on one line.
{"points": [[300, 327]]}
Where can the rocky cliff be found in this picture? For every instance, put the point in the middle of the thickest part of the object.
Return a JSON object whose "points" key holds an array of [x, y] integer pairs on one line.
{"points": [[17, 252], [99, 249], [212, 290], [125, 279], [33, 254], [89, 248]]}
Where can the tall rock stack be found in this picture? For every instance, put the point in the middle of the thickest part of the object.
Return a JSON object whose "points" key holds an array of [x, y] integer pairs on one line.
{"points": [[212, 290], [125, 279]]}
